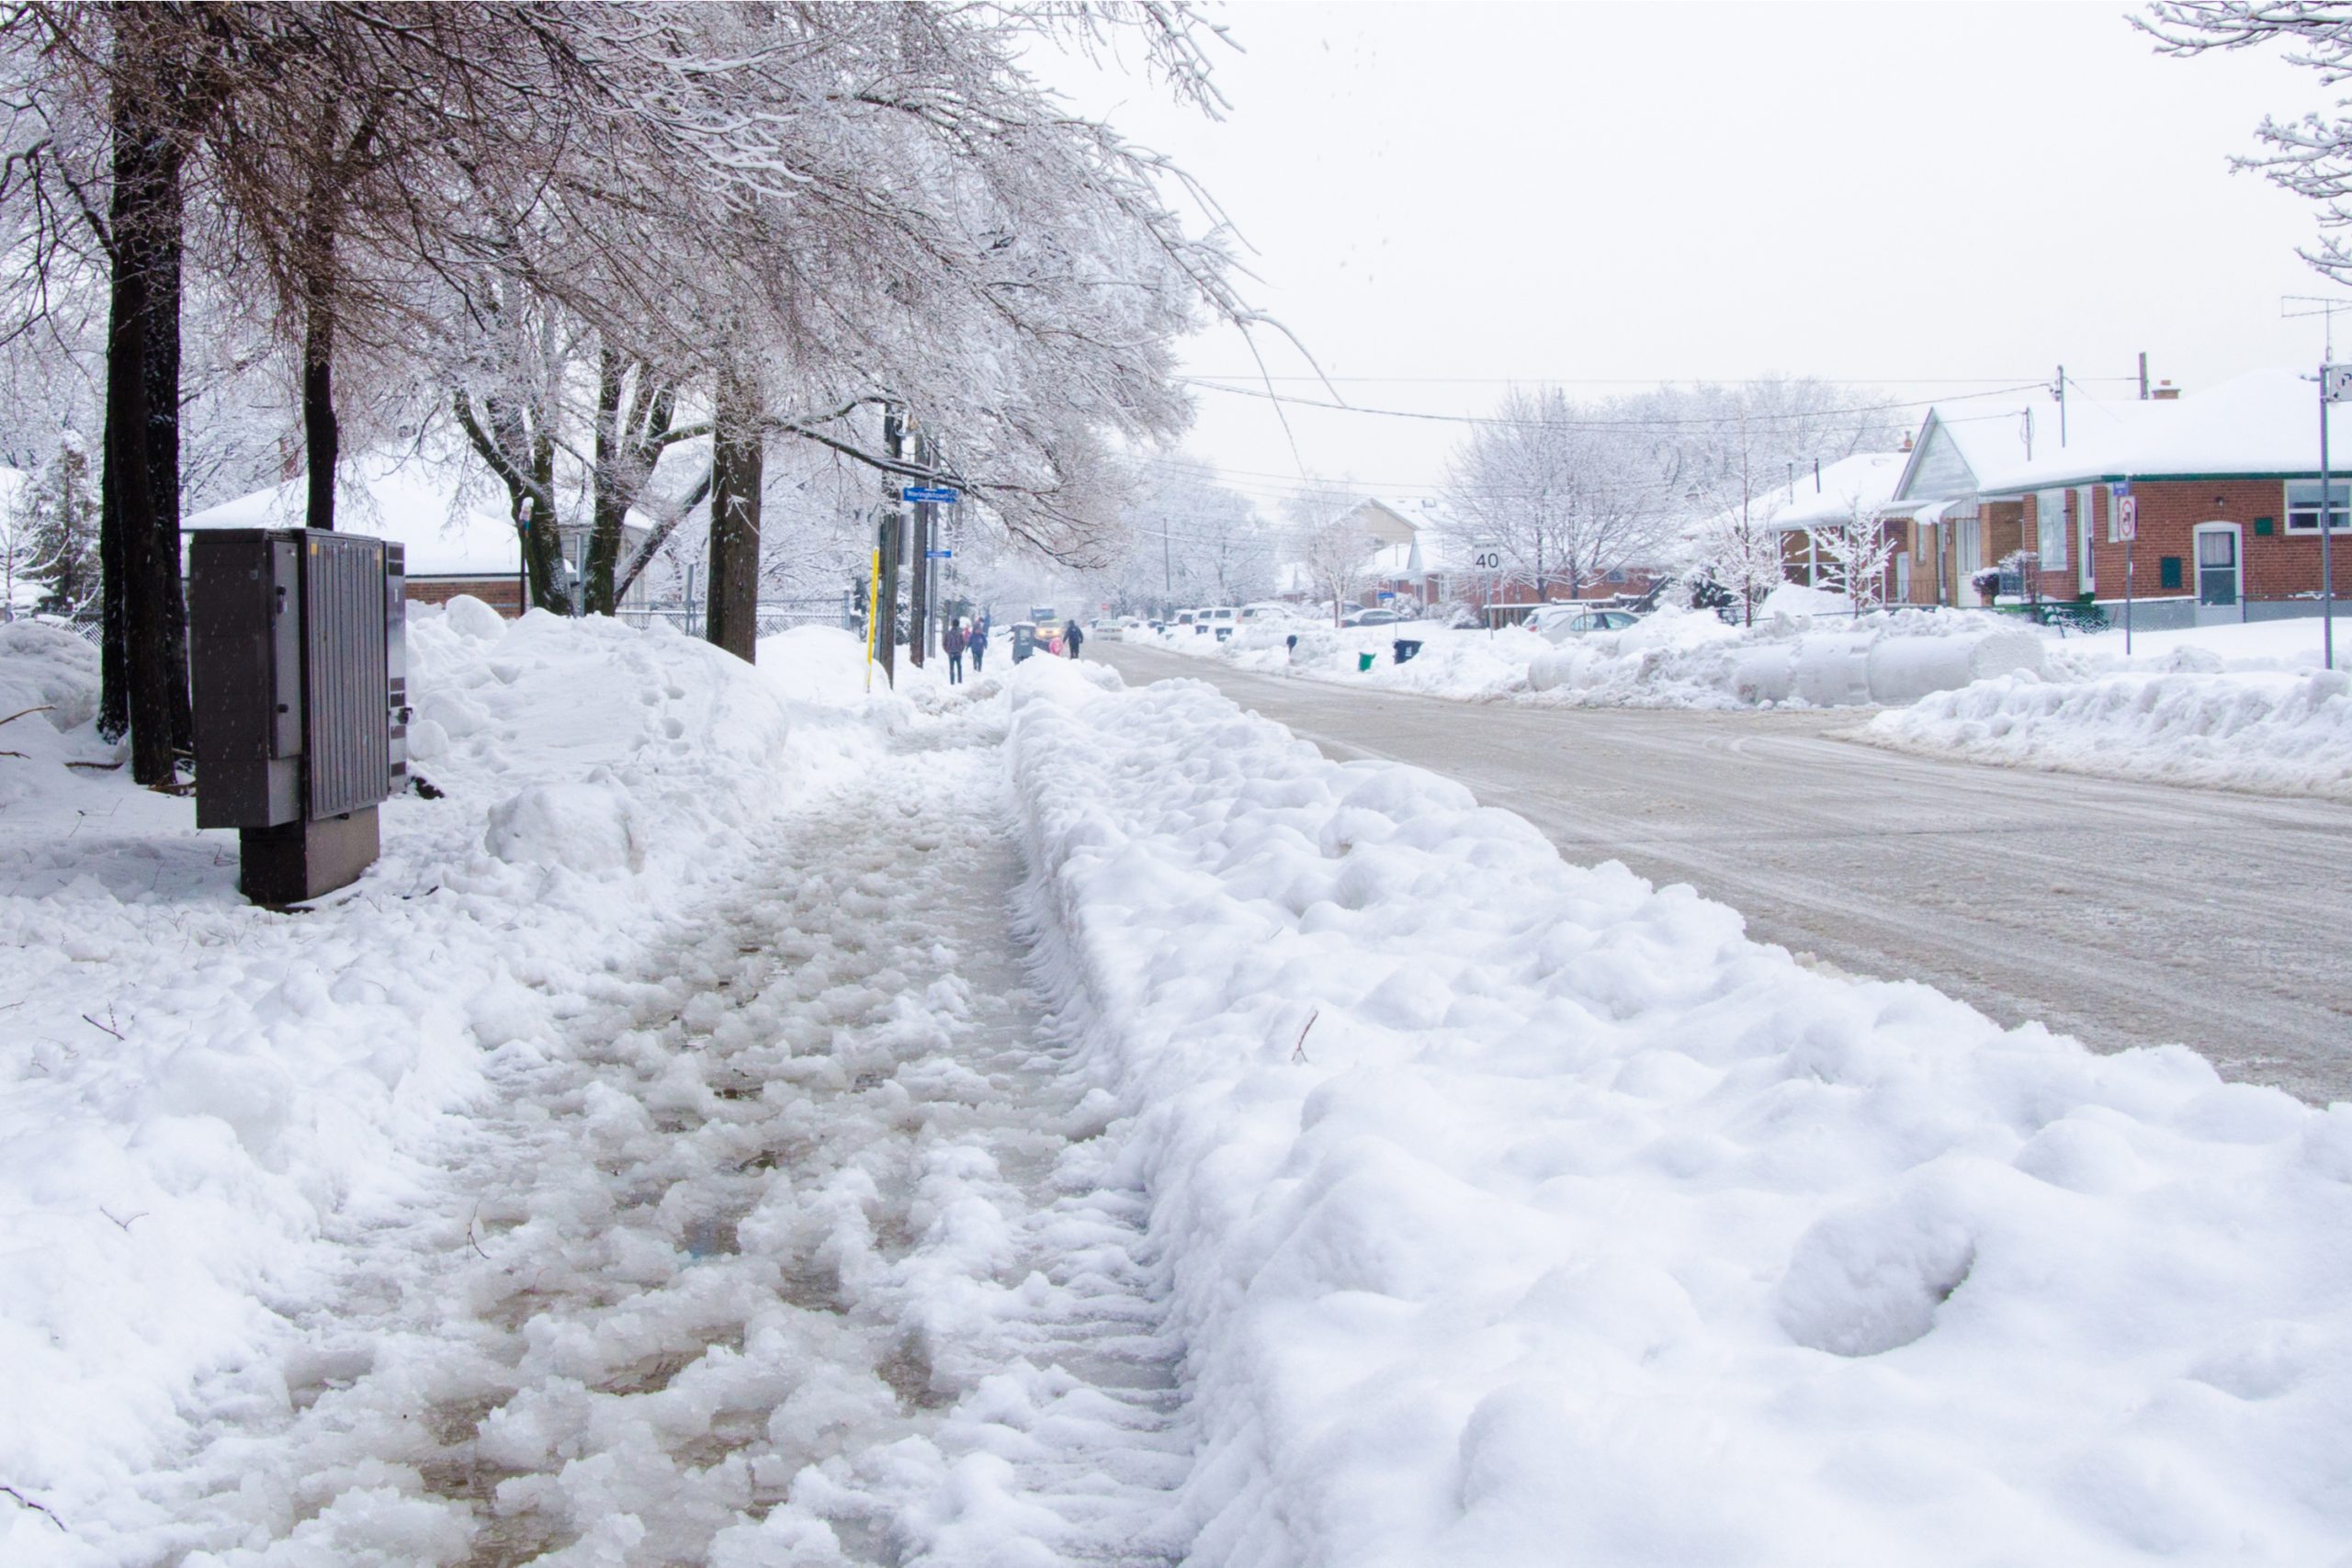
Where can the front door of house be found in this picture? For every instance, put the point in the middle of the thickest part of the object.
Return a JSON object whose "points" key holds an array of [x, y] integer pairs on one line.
{"points": [[2219, 587]]}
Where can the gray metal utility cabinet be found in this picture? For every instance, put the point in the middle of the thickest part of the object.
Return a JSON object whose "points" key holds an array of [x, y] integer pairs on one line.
{"points": [[298, 657]]}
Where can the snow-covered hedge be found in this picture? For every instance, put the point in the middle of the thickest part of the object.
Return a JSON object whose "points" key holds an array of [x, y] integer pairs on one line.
{"points": [[2279, 732], [1670, 659], [1525, 1214], [195, 1088]]}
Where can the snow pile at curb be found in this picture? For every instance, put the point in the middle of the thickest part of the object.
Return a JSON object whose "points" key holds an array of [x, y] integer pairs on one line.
{"points": [[196, 1088], [1522, 1213], [1671, 658], [2280, 732]]}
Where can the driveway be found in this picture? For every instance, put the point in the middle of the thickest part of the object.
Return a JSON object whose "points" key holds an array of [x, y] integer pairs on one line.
{"points": [[2123, 914]]}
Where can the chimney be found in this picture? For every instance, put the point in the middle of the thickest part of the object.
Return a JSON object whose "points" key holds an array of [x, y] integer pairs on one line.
{"points": [[2166, 392], [1907, 441]]}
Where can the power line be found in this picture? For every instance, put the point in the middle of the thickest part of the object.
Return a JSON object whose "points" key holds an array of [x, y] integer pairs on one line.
{"points": [[1205, 377], [1708, 420]]}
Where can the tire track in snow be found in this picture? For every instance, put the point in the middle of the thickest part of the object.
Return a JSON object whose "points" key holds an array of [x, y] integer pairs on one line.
{"points": [[806, 1247]]}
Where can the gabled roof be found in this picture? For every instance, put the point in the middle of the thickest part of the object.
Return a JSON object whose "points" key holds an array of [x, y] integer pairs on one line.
{"points": [[1959, 441]]}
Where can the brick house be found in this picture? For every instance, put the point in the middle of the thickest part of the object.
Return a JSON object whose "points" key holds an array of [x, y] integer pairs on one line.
{"points": [[2227, 488]]}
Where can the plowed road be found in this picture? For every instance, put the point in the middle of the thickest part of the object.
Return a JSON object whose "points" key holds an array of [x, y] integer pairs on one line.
{"points": [[2123, 914]]}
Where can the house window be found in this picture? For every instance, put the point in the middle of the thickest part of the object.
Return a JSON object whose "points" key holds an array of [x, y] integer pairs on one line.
{"points": [[2303, 506], [2049, 528], [2168, 572]]}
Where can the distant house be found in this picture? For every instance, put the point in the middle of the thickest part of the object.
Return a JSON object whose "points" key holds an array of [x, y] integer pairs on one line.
{"points": [[2226, 486], [1938, 509], [1851, 488], [454, 544]]}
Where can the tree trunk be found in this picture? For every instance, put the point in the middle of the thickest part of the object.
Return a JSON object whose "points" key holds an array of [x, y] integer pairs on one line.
{"points": [[736, 464], [114, 619], [163, 440], [611, 489], [321, 438], [140, 211]]}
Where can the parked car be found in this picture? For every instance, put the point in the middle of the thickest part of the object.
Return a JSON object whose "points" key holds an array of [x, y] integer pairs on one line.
{"points": [[1108, 630], [1373, 618], [1560, 621], [1268, 613], [1219, 619]]}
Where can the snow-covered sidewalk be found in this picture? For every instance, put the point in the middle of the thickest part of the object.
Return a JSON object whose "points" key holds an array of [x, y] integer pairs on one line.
{"points": [[1522, 1213], [661, 1156]]}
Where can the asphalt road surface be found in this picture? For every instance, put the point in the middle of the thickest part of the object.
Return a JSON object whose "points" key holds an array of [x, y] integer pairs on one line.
{"points": [[2123, 914]]}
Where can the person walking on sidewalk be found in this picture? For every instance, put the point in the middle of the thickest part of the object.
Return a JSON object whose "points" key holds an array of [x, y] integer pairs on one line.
{"points": [[979, 642], [1072, 639], [954, 643]]}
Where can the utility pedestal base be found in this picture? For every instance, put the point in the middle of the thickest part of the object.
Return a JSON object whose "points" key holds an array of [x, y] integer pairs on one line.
{"points": [[305, 860]]}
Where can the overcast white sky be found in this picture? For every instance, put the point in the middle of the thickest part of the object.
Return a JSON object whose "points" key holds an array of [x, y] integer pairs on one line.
{"points": [[1442, 199]]}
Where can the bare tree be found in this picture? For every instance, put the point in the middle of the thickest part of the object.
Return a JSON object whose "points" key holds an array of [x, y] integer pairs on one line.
{"points": [[1859, 547], [2310, 156], [1330, 542], [1563, 490]]}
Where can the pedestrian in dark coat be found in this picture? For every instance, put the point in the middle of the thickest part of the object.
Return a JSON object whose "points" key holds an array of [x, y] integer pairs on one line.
{"points": [[1072, 639], [954, 643], [977, 643]]}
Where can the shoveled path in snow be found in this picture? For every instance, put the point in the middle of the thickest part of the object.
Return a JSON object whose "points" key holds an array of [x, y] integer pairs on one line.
{"points": [[2124, 914], [797, 1244]]}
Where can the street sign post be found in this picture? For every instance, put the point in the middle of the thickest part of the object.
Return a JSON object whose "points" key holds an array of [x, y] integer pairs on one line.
{"points": [[932, 495], [1487, 556], [2335, 387]]}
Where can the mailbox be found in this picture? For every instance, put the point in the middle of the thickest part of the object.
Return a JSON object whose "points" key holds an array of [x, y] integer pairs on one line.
{"points": [[298, 659]]}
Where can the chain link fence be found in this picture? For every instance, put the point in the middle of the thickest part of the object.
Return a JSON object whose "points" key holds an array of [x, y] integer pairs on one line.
{"points": [[773, 615]]}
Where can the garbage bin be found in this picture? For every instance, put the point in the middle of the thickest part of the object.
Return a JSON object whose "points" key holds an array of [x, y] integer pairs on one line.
{"points": [[1405, 648], [1363, 660], [1024, 640]]}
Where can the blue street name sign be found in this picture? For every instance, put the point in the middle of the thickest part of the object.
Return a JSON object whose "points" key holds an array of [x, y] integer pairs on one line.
{"points": [[939, 555], [937, 495]]}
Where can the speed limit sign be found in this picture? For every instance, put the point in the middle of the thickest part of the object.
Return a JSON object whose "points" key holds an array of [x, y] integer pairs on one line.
{"points": [[1487, 556]]}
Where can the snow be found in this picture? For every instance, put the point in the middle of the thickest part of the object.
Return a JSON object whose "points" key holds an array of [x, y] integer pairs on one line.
{"points": [[750, 1122], [2263, 422], [1807, 649], [1525, 1213], [2241, 706]]}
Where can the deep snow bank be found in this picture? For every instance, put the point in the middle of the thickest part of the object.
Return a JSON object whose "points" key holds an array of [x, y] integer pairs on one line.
{"points": [[2282, 732], [1521, 1213], [1671, 658], [195, 1089]]}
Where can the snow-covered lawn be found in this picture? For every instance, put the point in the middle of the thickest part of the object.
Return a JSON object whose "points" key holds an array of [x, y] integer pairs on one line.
{"points": [[1522, 1213], [745, 1122]]}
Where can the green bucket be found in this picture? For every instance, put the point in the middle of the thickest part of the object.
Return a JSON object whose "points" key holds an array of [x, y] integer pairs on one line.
{"points": [[1364, 661]]}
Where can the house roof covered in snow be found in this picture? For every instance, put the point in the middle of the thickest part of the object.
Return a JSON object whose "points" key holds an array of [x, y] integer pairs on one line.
{"points": [[2263, 422], [1866, 480], [1961, 442], [450, 528], [412, 500]]}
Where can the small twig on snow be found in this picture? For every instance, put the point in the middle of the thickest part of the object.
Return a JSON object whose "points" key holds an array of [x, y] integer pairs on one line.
{"points": [[40, 1508], [106, 1027], [123, 1224], [470, 1234], [23, 713], [1298, 1051]]}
